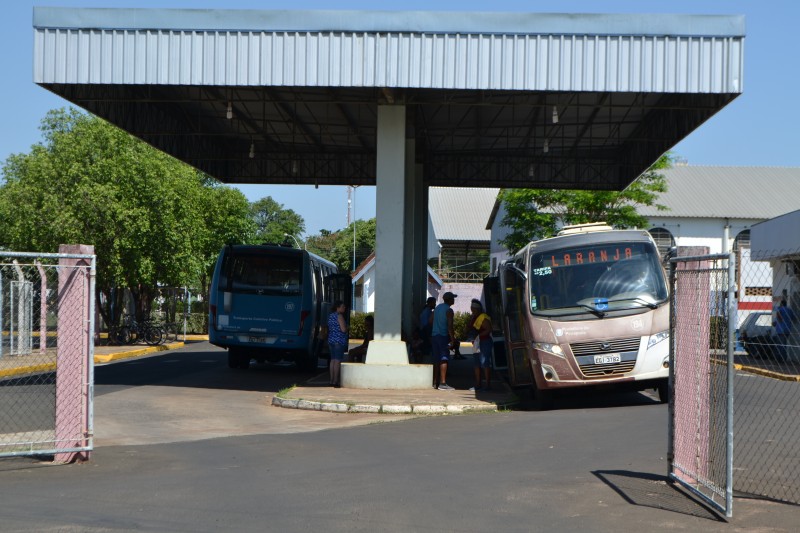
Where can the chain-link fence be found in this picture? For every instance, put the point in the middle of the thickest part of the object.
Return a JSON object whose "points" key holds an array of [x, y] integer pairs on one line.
{"points": [[700, 414], [736, 375], [767, 386], [46, 348]]}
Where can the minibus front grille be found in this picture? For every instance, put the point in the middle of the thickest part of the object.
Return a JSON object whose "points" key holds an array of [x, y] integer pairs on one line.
{"points": [[604, 347], [585, 353], [607, 370]]}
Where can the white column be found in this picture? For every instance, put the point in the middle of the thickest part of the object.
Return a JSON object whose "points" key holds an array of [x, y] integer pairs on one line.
{"points": [[409, 273], [386, 365], [390, 236]]}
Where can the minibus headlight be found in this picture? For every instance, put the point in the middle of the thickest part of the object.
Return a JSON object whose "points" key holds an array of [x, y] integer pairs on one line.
{"points": [[658, 337], [554, 349]]}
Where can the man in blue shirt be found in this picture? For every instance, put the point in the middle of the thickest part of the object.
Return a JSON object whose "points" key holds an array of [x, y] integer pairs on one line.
{"points": [[784, 317]]}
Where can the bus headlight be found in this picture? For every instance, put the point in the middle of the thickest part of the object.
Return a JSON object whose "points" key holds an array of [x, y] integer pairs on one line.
{"points": [[658, 337], [554, 349]]}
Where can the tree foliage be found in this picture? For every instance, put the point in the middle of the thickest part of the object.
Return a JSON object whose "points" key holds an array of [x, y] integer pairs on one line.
{"points": [[151, 219], [338, 246], [273, 222], [536, 213]]}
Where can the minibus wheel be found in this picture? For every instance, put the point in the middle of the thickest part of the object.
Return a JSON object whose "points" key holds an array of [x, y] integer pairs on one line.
{"points": [[541, 400], [663, 391]]}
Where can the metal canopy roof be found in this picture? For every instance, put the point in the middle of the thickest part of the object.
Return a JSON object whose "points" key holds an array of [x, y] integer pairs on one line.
{"points": [[493, 100]]}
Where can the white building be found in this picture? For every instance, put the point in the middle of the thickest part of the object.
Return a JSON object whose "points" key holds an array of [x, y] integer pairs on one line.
{"points": [[778, 241]]}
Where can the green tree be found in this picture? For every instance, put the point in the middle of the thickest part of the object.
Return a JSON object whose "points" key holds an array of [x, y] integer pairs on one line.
{"points": [[342, 252], [337, 246], [273, 222], [152, 219], [535, 213]]}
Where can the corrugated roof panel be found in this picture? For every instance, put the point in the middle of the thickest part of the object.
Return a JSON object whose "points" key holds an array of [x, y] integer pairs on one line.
{"points": [[460, 213], [591, 60], [728, 192]]}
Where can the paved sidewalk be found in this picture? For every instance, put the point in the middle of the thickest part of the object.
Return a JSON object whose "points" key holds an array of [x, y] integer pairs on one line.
{"points": [[317, 395]]}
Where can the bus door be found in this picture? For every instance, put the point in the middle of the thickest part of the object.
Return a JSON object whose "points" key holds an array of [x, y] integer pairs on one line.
{"points": [[494, 308], [512, 290], [339, 287]]}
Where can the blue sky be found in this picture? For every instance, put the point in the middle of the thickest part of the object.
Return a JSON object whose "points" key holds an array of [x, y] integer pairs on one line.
{"points": [[758, 129]]}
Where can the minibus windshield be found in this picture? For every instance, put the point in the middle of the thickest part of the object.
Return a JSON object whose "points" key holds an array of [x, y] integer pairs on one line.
{"points": [[596, 279]]}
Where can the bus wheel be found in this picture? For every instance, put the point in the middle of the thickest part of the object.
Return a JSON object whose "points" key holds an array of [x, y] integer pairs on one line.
{"points": [[309, 363], [663, 391], [238, 359]]}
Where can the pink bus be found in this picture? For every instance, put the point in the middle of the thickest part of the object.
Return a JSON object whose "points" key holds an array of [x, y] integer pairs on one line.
{"points": [[588, 307]]}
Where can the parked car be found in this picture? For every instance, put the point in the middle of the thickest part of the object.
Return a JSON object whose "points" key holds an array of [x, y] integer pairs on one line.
{"points": [[755, 334]]}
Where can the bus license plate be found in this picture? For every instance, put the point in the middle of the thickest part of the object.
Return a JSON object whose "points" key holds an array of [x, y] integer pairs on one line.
{"points": [[607, 359], [262, 340]]}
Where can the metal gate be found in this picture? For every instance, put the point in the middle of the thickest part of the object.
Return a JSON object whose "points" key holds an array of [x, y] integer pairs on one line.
{"points": [[703, 311], [46, 353]]}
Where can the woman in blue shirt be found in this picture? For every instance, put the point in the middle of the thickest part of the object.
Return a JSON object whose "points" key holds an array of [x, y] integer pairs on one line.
{"points": [[337, 339]]}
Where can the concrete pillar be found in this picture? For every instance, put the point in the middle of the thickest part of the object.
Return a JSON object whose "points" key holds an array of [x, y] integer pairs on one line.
{"points": [[409, 272], [386, 365], [419, 265]]}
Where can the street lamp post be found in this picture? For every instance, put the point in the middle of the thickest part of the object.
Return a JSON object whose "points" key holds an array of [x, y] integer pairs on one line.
{"points": [[295, 240]]}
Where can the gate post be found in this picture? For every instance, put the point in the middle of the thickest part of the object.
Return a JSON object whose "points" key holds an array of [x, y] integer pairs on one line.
{"points": [[73, 372]]}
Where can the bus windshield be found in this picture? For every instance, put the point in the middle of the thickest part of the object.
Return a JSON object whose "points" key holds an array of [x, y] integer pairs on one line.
{"points": [[258, 273], [596, 279]]}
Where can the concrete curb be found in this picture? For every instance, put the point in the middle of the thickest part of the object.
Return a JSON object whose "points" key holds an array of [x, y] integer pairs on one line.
{"points": [[107, 358], [98, 359], [31, 369], [379, 408]]}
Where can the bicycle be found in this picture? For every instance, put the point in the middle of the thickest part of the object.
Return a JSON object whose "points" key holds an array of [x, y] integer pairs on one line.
{"points": [[147, 331]]}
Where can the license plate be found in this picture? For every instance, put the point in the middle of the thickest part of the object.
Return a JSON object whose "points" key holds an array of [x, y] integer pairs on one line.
{"points": [[607, 359], [261, 340]]}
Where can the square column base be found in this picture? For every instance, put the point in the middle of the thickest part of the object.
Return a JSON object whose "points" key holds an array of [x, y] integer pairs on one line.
{"points": [[387, 352], [386, 376]]}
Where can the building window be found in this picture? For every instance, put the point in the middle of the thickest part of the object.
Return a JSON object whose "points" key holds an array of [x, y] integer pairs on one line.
{"points": [[664, 240], [742, 240]]}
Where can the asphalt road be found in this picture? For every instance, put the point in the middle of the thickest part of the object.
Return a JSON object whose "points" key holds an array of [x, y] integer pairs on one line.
{"points": [[184, 444]]}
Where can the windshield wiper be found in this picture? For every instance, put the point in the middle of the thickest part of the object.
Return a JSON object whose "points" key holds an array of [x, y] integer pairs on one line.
{"points": [[599, 313], [638, 300]]}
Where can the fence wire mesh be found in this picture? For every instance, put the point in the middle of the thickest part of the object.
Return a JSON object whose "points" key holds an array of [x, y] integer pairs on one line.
{"points": [[762, 342], [45, 346], [699, 421], [767, 383]]}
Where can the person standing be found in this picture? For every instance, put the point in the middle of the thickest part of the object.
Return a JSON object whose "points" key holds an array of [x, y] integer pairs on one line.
{"points": [[784, 317], [359, 353], [426, 325], [442, 338], [481, 326], [337, 339]]}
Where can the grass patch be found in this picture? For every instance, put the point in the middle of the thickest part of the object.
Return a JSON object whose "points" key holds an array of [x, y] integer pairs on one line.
{"points": [[283, 392]]}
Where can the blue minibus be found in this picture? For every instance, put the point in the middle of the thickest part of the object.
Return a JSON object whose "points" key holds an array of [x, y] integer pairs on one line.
{"points": [[271, 303]]}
